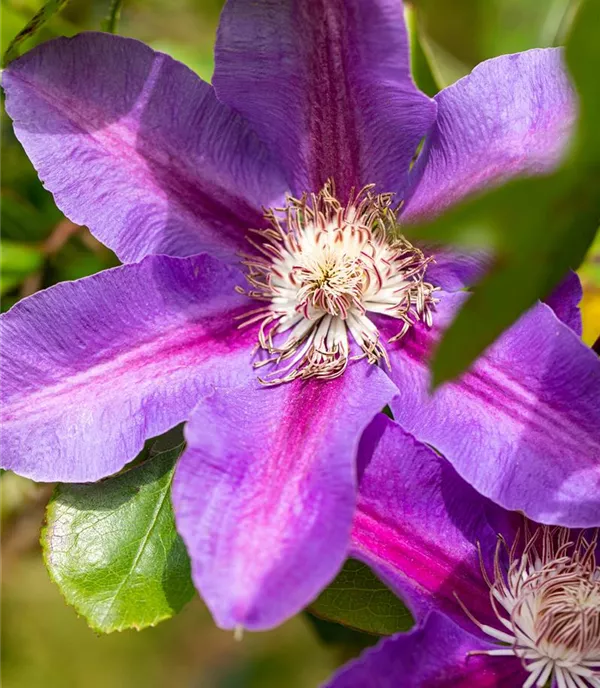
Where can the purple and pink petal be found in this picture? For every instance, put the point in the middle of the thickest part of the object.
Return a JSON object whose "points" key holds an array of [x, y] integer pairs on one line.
{"points": [[432, 656], [265, 493], [327, 85], [93, 368], [137, 147], [512, 115], [521, 425], [417, 524]]}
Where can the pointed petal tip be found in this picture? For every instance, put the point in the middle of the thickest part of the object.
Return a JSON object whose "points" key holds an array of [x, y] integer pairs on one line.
{"points": [[265, 492]]}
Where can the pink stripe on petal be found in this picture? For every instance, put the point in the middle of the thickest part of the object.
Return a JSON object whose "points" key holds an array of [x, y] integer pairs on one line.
{"points": [[264, 494], [418, 523], [521, 425], [91, 369], [327, 85], [134, 145]]}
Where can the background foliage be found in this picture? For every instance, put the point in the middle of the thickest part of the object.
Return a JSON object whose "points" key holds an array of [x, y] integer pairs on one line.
{"points": [[47, 644]]}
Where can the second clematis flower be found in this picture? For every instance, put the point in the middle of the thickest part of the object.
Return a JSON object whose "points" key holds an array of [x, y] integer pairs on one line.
{"points": [[269, 297], [501, 602]]}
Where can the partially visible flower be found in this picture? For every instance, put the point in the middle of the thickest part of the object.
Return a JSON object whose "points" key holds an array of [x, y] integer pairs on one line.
{"points": [[316, 121], [515, 604], [548, 600]]}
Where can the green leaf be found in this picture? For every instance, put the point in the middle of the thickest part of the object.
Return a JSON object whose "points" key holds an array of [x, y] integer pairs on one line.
{"points": [[113, 550], [552, 222], [583, 59], [46, 12], [538, 227], [17, 261], [20, 257], [558, 17], [420, 66], [457, 28], [359, 600], [11, 23], [22, 221], [198, 60], [112, 18]]}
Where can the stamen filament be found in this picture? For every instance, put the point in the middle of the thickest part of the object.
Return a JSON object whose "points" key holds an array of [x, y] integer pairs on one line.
{"points": [[322, 268]]}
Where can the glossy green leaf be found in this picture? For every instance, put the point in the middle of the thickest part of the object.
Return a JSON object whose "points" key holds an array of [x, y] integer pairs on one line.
{"points": [[113, 550], [359, 600], [112, 18], [538, 227], [45, 13]]}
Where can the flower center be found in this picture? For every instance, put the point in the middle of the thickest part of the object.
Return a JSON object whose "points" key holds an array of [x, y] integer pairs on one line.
{"points": [[549, 601], [567, 622], [324, 270]]}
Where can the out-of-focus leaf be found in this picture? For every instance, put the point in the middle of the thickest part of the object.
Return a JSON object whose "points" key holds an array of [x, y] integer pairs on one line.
{"points": [[455, 36], [74, 261], [420, 65], [459, 28], [551, 222], [590, 305], [113, 550], [111, 20], [9, 281], [583, 59], [21, 221], [10, 25], [46, 12], [557, 21], [200, 62], [445, 68], [359, 600], [17, 260], [538, 227], [18, 257]]}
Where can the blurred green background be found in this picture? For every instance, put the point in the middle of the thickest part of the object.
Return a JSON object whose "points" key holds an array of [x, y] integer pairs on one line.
{"points": [[44, 643]]}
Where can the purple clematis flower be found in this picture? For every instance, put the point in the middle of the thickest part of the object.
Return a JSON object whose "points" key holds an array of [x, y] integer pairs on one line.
{"points": [[515, 604], [260, 224]]}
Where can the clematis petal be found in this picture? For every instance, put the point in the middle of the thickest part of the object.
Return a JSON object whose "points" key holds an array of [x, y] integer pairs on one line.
{"points": [[522, 425], [431, 656], [453, 271], [264, 494], [417, 524], [327, 84], [512, 115], [138, 148], [91, 369]]}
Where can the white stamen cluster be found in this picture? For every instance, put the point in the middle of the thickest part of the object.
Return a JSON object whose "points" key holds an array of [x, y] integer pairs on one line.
{"points": [[321, 267], [548, 602]]}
